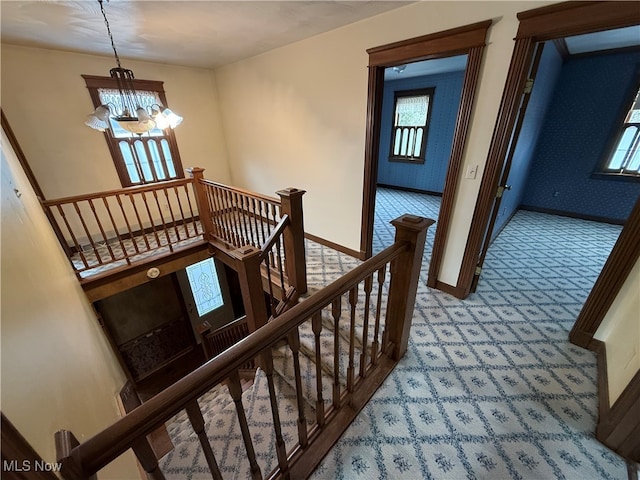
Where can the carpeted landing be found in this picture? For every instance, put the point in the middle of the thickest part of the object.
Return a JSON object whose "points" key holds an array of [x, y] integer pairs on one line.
{"points": [[489, 389]]}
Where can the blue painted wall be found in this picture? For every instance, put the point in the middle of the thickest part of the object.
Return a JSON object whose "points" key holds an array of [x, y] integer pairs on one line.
{"points": [[431, 175], [581, 119], [539, 101]]}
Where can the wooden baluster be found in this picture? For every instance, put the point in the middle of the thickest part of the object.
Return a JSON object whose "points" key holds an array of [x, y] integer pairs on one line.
{"points": [[73, 237], [148, 210], [86, 231], [173, 217], [126, 221], [243, 218], [244, 202], [163, 224], [316, 325], [280, 265], [256, 227], [104, 235], [147, 458], [115, 229], [281, 449], [230, 216], [368, 284], [263, 220], [294, 343], [191, 213], [224, 216], [235, 390], [353, 300], [405, 275], [135, 209], [218, 221], [375, 346], [336, 311], [197, 422], [272, 298]]}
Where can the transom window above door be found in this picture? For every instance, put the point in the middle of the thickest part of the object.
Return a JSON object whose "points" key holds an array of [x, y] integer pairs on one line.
{"points": [[411, 115]]}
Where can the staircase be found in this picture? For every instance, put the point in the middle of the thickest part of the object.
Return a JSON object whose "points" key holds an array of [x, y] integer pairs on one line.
{"points": [[319, 363]]}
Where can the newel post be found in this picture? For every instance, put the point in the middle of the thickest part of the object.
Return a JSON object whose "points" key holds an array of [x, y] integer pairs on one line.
{"points": [[250, 277], [405, 275], [67, 456], [197, 174], [295, 261]]}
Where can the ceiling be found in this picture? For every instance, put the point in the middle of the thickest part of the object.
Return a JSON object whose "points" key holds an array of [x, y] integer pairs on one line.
{"points": [[192, 33]]}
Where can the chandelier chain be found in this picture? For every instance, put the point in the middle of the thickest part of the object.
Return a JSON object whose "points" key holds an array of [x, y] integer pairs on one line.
{"points": [[106, 22]]}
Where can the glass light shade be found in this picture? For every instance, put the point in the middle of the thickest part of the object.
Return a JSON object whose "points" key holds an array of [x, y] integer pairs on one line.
{"points": [[161, 121], [96, 123], [173, 119], [99, 119]]}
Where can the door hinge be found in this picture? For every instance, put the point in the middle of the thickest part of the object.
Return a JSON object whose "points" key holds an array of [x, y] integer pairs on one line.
{"points": [[528, 85], [500, 192], [478, 270]]}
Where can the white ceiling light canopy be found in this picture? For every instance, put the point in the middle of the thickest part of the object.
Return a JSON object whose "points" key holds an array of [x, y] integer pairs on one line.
{"points": [[129, 113]]}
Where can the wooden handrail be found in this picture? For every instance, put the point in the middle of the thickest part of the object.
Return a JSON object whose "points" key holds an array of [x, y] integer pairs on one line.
{"points": [[248, 193], [273, 237], [403, 259], [122, 191], [102, 448]]}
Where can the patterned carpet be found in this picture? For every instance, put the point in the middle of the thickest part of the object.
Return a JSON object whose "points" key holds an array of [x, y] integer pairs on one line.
{"points": [[490, 387]]}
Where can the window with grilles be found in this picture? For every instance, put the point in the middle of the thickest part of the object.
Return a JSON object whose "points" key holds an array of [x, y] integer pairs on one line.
{"points": [[139, 159], [411, 114], [624, 158]]}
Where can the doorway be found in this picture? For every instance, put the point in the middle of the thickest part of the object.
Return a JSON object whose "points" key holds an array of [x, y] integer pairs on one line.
{"points": [[541, 25], [468, 40], [419, 109]]}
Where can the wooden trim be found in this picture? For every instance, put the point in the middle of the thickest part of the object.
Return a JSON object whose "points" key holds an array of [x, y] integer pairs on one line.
{"points": [[455, 41], [576, 18], [19, 454], [541, 24], [560, 213], [409, 189], [469, 40], [472, 74], [618, 424], [118, 280], [624, 256], [334, 246], [446, 288], [507, 114]]}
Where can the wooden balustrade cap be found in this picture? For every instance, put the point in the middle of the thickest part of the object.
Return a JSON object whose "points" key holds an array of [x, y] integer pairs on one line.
{"points": [[412, 222]]}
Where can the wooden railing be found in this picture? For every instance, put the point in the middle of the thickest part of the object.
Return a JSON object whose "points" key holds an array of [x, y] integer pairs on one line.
{"points": [[119, 227], [382, 339], [217, 341]]}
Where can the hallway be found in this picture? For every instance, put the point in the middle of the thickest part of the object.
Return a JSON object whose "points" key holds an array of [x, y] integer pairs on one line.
{"points": [[490, 387]]}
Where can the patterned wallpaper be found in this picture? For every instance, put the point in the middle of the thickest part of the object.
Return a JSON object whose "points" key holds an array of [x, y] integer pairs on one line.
{"points": [[429, 176], [575, 135]]}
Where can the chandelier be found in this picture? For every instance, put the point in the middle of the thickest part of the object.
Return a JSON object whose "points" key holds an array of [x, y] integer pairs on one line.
{"points": [[128, 111]]}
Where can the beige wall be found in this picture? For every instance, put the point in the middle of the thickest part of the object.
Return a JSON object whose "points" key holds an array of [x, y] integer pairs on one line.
{"points": [[57, 368], [296, 116], [46, 101], [620, 330]]}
